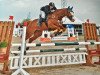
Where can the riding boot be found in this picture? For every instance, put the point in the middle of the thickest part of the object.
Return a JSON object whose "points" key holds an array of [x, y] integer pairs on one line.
{"points": [[40, 21], [46, 21]]}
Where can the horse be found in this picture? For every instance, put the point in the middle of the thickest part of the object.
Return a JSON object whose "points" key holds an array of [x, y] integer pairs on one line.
{"points": [[32, 33], [54, 24]]}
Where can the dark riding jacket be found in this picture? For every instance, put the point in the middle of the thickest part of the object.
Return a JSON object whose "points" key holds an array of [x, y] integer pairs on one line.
{"points": [[47, 9]]}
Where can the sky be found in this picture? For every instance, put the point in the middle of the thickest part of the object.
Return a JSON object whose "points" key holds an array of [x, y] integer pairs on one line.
{"points": [[83, 9]]}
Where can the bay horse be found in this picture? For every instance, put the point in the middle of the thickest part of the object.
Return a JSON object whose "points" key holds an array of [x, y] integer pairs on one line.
{"points": [[32, 33], [54, 24]]}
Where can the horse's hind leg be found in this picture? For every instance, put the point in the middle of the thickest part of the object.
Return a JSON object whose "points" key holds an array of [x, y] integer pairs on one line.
{"points": [[28, 35], [36, 35]]}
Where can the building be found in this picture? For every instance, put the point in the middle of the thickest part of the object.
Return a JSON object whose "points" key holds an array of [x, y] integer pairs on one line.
{"points": [[77, 24]]}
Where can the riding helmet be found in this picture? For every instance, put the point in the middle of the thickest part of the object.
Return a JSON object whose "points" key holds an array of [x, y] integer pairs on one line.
{"points": [[51, 4]]}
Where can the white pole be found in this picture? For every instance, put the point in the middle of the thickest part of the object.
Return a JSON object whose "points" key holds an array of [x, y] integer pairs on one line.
{"points": [[77, 36], [20, 70]]}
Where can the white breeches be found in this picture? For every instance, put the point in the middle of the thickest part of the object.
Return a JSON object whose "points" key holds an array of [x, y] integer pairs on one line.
{"points": [[42, 14]]}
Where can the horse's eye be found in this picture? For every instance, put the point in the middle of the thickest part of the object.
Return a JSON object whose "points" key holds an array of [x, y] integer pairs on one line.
{"points": [[72, 13]]}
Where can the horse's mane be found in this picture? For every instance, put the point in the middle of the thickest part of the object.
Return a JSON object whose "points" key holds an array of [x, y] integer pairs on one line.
{"points": [[59, 10], [59, 13]]}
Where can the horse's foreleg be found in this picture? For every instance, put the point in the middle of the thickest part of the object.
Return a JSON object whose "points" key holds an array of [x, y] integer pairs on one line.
{"points": [[61, 26], [56, 31], [62, 29]]}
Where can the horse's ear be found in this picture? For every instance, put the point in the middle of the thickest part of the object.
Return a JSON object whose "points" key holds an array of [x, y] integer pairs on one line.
{"points": [[70, 9]]}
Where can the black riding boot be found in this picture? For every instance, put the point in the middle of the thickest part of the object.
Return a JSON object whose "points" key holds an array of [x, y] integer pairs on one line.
{"points": [[46, 21], [40, 20]]}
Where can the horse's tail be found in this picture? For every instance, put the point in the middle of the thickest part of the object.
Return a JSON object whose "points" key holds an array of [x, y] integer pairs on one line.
{"points": [[31, 28]]}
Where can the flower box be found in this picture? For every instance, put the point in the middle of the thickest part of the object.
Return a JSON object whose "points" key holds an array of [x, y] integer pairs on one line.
{"points": [[72, 39], [45, 39], [3, 47]]}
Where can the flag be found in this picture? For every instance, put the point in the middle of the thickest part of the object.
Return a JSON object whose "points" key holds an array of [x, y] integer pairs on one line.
{"points": [[25, 23], [19, 24], [88, 20], [11, 17]]}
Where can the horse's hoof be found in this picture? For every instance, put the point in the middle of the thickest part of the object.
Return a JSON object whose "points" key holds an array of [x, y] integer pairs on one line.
{"points": [[19, 48], [61, 30], [59, 33], [24, 52], [27, 48], [55, 34], [15, 54]]}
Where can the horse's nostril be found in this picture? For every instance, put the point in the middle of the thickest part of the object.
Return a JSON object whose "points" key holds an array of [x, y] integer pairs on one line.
{"points": [[73, 20]]}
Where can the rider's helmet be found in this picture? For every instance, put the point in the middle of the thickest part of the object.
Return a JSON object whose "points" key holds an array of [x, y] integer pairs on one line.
{"points": [[52, 4]]}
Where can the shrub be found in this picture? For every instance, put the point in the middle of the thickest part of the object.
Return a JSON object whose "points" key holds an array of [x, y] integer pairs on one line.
{"points": [[3, 44]]}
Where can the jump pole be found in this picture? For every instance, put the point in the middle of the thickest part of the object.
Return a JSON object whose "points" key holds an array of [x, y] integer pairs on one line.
{"points": [[56, 44], [21, 70], [53, 50]]}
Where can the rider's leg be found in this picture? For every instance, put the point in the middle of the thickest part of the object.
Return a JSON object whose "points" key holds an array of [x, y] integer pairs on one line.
{"points": [[46, 20], [40, 20], [41, 17]]}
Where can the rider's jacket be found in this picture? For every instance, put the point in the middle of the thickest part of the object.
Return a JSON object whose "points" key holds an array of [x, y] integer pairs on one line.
{"points": [[47, 9]]}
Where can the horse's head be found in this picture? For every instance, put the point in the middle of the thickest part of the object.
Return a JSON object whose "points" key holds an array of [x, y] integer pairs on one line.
{"points": [[60, 13], [69, 13]]}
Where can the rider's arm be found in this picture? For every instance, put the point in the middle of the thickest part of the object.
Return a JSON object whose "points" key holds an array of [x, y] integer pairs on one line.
{"points": [[47, 9], [42, 8], [54, 8]]}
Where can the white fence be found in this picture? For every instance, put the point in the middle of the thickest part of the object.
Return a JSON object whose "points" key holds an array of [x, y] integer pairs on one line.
{"points": [[48, 60]]}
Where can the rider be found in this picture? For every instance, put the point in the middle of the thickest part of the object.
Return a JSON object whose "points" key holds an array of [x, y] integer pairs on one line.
{"points": [[45, 11]]}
